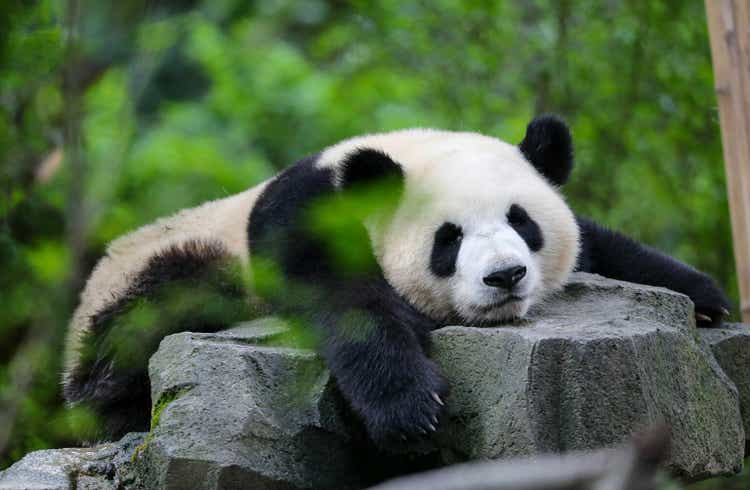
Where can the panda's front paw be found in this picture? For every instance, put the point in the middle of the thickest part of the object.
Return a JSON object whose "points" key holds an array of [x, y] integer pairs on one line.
{"points": [[711, 304], [410, 414]]}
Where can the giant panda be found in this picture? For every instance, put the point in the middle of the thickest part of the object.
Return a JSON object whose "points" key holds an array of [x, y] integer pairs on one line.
{"points": [[466, 229]]}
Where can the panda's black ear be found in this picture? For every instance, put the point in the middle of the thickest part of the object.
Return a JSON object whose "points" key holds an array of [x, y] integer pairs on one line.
{"points": [[366, 166], [549, 147]]}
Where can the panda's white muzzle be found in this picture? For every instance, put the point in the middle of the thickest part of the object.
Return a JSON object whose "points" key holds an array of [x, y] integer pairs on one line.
{"points": [[496, 275]]}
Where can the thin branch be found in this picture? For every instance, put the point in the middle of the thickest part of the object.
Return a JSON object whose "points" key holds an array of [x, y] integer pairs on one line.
{"points": [[76, 212]]}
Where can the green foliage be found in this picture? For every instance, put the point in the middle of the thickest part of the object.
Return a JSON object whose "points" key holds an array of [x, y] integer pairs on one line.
{"points": [[737, 482], [336, 222], [194, 100], [161, 404], [164, 401]]}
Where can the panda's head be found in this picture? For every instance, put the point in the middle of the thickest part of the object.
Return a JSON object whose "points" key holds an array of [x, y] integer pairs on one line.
{"points": [[480, 232]]}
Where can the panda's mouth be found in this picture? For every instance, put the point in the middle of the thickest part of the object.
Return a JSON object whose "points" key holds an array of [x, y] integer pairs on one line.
{"points": [[488, 308]]}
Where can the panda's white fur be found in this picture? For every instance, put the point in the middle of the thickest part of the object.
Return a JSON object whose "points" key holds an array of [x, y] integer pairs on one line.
{"points": [[461, 177]]}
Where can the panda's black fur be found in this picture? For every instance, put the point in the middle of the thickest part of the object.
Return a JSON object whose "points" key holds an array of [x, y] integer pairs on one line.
{"points": [[380, 361]]}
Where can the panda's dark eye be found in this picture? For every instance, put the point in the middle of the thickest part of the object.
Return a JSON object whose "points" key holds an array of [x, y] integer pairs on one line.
{"points": [[517, 216], [445, 250], [448, 233]]}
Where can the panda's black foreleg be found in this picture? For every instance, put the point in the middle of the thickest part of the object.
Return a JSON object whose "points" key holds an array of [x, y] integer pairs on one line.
{"points": [[614, 255], [375, 345]]}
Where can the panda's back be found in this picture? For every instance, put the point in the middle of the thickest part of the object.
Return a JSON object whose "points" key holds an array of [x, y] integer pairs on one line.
{"points": [[224, 219]]}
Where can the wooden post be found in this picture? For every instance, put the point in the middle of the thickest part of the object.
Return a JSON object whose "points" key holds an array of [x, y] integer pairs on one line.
{"points": [[729, 30]]}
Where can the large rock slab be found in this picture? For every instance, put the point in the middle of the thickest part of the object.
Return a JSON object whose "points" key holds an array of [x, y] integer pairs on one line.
{"points": [[596, 363], [102, 467], [586, 369]]}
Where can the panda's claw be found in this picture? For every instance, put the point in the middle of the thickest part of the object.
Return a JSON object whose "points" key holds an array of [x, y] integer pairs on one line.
{"points": [[437, 398], [725, 311], [434, 419], [432, 428], [702, 317]]}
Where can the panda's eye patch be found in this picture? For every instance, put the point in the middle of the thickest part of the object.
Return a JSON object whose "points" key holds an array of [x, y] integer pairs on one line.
{"points": [[445, 249], [517, 215], [526, 227]]}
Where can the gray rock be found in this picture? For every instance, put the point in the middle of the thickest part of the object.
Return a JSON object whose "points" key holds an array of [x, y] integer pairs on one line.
{"points": [[102, 467], [587, 368], [240, 415], [731, 346]]}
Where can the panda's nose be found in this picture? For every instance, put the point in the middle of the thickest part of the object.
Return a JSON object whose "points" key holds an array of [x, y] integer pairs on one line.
{"points": [[505, 278]]}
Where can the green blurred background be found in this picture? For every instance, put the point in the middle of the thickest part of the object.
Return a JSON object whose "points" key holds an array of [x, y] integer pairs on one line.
{"points": [[179, 101]]}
